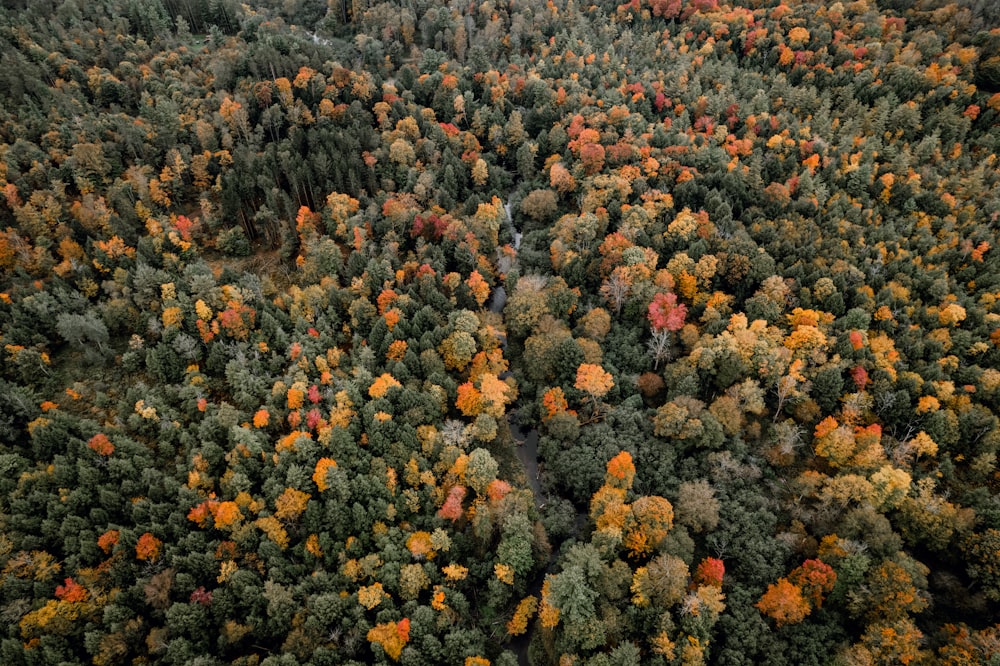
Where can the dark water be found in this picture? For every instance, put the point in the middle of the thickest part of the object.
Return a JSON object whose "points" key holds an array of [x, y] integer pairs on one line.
{"points": [[498, 299], [527, 453], [526, 449]]}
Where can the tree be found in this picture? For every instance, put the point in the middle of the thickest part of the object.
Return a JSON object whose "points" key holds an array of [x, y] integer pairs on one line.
{"points": [[659, 345], [526, 608], [616, 289], [392, 637], [452, 507], [382, 384], [697, 506], [661, 583], [481, 470], [458, 349], [82, 331], [101, 445], [574, 597], [148, 547], [784, 603], [710, 571], [650, 519], [479, 287], [620, 471], [889, 642], [894, 589], [561, 179], [540, 205], [593, 380], [983, 550], [665, 313], [480, 172], [816, 579], [290, 504]]}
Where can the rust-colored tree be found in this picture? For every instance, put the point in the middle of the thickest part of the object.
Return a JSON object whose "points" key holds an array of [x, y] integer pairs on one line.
{"points": [[783, 602], [620, 471], [816, 579], [148, 547], [710, 572]]}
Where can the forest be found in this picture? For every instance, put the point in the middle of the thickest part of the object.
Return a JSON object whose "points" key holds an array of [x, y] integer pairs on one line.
{"points": [[517, 333]]}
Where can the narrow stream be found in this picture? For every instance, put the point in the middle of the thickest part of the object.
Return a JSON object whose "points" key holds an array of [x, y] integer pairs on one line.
{"points": [[526, 450], [510, 223], [499, 297]]}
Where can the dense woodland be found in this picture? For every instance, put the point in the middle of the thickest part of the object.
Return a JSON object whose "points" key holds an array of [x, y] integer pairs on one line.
{"points": [[270, 343]]}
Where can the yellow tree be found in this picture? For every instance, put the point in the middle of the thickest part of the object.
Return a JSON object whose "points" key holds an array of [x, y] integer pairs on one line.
{"points": [[595, 381], [518, 624], [290, 504], [495, 394], [650, 519], [391, 636]]}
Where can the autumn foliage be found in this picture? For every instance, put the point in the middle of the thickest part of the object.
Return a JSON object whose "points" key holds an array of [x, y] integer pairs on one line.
{"points": [[148, 547], [392, 637], [784, 603], [593, 380], [108, 540], [665, 313], [382, 384], [526, 608], [358, 314], [101, 445], [620, 471], [710, 571], [452, 507], [791, 599], [320, 475], [71, 591], [816, 579]]}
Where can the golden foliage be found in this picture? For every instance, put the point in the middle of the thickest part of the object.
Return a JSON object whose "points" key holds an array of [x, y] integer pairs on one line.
{"points": [[290, 504], [650, 519], [526, 608], [382, 384], [593, 379], [227, 514], [295, 397], [455, 572], [287, 443], [391, 636], [420, 546], [504, 573], [547, 613], [272, 527], [323, 467]]}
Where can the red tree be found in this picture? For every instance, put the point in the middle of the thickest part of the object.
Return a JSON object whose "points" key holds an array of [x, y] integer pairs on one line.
{"points": [[665, 313], [710, 572]]}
